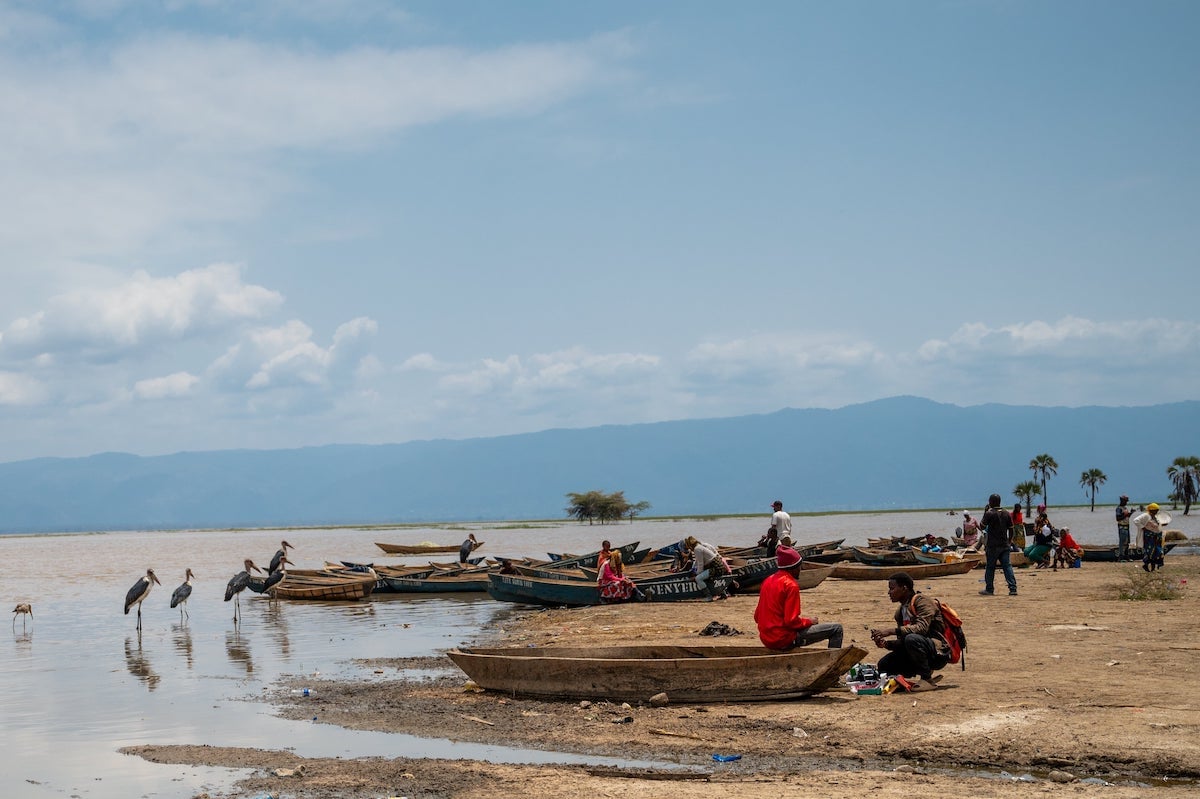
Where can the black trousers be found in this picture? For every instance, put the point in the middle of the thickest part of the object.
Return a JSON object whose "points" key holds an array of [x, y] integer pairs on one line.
{"points": [[917, 655]]}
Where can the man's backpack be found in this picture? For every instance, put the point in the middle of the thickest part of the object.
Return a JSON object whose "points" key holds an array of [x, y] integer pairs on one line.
{"points": [[954, 634]]}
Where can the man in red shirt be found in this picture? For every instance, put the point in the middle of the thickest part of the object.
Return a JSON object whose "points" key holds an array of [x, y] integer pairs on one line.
{"points": [[780, 625]]}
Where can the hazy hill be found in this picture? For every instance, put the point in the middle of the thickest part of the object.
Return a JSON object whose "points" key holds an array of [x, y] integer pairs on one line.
{"points": [[894, 453]]}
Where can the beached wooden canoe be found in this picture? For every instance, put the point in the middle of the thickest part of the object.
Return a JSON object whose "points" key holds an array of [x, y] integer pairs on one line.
{"points": [[551, 592], [883, 557], [421, 549], [1107, 554], [326, 585], [919, 571], [636, 673], [947, 555]]}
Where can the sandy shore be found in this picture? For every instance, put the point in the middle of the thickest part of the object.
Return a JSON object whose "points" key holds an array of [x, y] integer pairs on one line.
{"points": [[1067, 687]]}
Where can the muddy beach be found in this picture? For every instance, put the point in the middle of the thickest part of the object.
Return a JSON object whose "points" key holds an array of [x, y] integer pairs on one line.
{"points": [[1069, 690]]}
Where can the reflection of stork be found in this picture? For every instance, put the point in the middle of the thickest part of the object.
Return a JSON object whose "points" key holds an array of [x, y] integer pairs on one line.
{"points": [[179, 596], [284, 546], [139, 665], [237, 584], [23, 609], [138, 593]]}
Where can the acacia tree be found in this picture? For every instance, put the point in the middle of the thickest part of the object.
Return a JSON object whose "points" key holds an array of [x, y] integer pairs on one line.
{"points": [[1045, 466], [1184, 472], [637, 509], [594, 506], [1025, 491], [1090, 480]]}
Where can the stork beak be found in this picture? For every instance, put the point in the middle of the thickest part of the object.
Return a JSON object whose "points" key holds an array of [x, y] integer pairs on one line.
{"points": [[154, 577]]}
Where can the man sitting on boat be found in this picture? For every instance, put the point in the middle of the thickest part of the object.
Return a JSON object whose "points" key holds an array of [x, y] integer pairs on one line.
{"points": [[780, 625], [917, 644]]}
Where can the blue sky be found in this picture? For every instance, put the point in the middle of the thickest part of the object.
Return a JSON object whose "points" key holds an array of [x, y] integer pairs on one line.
{"points": [[282, 224]]}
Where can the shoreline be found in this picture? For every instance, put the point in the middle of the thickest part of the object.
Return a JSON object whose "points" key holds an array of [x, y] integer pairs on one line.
{"points": [[1063, 678]]}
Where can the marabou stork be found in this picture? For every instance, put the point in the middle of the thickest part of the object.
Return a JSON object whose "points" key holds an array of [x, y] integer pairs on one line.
{"points": [[277, 574], [138, 593], [284, 546], [237, 584], [179, 596], [22, 609]]}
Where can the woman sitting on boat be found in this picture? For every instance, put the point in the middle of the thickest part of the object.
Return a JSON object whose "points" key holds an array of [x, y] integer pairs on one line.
{"points": [[708, 566], [614, 585], [1067, 552], [1043, 542]]}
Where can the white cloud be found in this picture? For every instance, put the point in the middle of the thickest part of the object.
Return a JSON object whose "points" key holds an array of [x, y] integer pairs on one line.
{"points": [[19, 389], [422, 361], [771, 355], [1070, 337], [114, 322], [566, 370], [179, 384], [286, 356]]}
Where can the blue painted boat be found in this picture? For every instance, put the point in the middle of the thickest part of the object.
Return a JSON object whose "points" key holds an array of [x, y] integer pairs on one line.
{"points": [[551, 592]]}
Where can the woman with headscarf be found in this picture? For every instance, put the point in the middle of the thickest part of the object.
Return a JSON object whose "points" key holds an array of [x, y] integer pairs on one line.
{"points": [[707, 564]]}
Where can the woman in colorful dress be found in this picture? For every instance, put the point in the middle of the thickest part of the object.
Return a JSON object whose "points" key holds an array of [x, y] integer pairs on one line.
{"points": [[614, 585]]}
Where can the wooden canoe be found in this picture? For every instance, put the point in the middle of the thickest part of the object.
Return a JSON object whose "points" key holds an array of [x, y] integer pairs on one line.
{"points": [[551, 592], [1107, 554], [421, 548], [326, 585], [883, 557], [920, 571], [636, 673]]}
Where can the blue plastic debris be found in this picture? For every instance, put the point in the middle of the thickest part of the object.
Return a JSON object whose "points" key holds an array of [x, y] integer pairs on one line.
{"points": [[726, 758]]}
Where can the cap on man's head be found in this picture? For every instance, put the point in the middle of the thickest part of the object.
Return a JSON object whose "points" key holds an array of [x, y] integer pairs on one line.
{"points": [[786, 557], [777, 504], [1152, 506], [1125, 497]]}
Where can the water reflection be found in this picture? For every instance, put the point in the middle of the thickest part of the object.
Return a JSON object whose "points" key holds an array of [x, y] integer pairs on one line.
{"points": [[139, 664], [275, 620], [237, 646], [182, 637]]}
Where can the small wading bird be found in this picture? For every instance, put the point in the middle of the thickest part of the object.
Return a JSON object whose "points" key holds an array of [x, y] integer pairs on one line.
{"points": [[179, 596], [237, 584], [23, 609], [138, 593], [284, 546]]}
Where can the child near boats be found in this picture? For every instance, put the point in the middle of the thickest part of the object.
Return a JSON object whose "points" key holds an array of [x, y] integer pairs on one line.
{"points": [[614, 585]]}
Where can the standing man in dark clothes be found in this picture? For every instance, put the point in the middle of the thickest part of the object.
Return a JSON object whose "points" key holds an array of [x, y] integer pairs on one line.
{"points": [[999, 527], [1123, 514]]}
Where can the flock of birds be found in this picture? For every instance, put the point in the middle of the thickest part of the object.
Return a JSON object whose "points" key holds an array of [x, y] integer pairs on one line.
{"points": [[137, 594]]}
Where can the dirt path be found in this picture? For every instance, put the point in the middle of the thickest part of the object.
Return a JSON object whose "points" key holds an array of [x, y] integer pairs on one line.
{"points": [[1062, 678]]}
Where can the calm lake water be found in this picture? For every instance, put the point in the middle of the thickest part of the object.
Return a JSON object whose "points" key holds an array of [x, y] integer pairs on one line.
{"points": [[79, 681]]}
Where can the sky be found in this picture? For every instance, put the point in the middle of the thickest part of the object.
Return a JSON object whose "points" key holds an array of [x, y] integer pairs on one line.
{"points": [[291, 223]]}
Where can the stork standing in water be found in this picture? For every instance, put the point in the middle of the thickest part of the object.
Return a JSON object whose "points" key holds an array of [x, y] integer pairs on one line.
{"points": [[280, 556], [277, 574], [138, 593], [23, 609], [179, 596], [237, 584]]}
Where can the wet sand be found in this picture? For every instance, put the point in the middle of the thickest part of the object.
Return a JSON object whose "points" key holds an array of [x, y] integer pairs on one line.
{"points": [[1063, 682]]}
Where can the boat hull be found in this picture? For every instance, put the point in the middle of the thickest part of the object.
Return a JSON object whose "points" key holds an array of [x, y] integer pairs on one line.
{"points": [[636, 673], [920, 571]]}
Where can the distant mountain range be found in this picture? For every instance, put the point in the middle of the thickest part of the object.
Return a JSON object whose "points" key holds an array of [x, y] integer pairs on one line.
{"points": [[903, 452]]}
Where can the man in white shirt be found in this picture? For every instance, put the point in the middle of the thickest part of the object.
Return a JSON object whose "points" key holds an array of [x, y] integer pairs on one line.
{"points": [[781, 521]]}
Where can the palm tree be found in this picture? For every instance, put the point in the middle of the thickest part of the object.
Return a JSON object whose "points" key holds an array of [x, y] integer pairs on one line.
{"points": [[1090, 480], [1045, 466], [1025, 491], [1185, 476]]}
